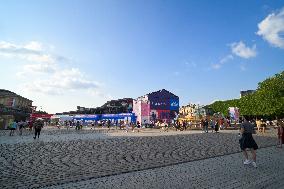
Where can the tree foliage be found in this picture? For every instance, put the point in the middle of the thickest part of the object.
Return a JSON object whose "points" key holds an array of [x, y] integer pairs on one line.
{"points": [[267, 101]]}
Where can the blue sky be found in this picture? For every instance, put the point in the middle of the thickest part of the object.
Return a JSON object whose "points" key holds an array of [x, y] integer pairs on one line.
{"points": [[62, 54]]}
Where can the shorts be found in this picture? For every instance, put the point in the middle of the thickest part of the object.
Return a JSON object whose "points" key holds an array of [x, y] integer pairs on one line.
{"points": [[247, 141]]}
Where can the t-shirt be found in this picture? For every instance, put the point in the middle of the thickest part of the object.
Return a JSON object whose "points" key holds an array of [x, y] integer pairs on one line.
{"points": [[38, 125], [14, 125], [205, 123], [248, 127]]}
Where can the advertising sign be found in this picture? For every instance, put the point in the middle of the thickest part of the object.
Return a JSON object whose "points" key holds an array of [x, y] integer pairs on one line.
{"points": [[174, 104], [234, 114], [41, 115], [145, 109]]}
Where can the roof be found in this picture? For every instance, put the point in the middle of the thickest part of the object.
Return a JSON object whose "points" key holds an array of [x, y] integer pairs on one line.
{"points": [[4, 92], [162, 90]]}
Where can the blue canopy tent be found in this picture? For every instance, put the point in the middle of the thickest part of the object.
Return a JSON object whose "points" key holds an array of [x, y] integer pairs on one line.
{"points": [[128, 116], [87, 117]]}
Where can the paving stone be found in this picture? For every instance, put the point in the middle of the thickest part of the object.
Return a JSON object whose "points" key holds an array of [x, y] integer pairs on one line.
{"points": [[153, 159]]}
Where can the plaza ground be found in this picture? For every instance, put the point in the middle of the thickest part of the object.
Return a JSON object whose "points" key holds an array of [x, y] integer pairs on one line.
{"points": [[149, 159]]}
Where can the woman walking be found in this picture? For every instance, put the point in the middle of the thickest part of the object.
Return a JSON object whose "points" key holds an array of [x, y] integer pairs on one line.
{"points": [[216, 126], [247, 142]]}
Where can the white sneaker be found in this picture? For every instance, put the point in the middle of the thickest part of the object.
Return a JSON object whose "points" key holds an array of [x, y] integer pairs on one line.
{"points": [[254, 164], [247, 162]]}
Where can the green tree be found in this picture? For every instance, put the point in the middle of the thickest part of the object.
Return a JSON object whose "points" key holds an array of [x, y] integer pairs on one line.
{"points": [[267, 101]]}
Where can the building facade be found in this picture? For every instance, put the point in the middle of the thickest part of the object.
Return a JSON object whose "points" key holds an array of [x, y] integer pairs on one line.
{"points": [[159, 105], [13, 107], [141, 108], [194, 112]]}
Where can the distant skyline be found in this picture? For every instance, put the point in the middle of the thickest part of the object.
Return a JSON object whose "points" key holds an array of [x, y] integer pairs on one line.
{"points": [[64, 54]]}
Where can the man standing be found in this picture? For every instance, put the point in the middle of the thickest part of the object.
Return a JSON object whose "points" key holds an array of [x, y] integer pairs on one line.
{"points": [[38, 126], [184, 125], [206, 123], [108, 124], [77, 125]]}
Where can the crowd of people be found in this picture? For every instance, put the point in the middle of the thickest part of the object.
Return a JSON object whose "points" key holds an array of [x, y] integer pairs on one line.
{"points": [[206, 124], [246, 128], [35, 125]]}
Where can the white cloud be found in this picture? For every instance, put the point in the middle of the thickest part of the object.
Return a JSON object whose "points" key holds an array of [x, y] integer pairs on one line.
{"points": [[40, 58], [34, 45], [226, 59], [45, 72], [100, 94], [61, 82], [222, 62], [241, 50], [32, 51], [272, 29], [39, 68], [216, 66], [190, 64]]}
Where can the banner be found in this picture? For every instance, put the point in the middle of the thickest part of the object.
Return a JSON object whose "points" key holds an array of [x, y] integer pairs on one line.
{"points": [[174, 104]]}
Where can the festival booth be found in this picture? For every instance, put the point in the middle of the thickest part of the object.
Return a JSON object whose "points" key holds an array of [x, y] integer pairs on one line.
{"points": [[63, 118], [42, 116], [45, 117], [130, 117], [55, 119], [86, 117]]}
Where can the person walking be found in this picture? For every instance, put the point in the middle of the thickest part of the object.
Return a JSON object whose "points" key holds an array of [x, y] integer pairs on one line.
{"points": [[177, 125], [108, 125], [116, 124], [31, 123], [212, 125], [221, 123], [38, 124], [132, 124], [202, 125], [77, 125], [216, 127], [206, 123], [138, 126], [184, 125], [127, 127], [280, 132], [21, 126], [13, 127], [247, 142], [258, 125], [93, 125]]}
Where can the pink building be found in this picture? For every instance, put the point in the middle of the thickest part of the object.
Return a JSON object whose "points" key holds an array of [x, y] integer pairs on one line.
{"points": [[141, 108]]}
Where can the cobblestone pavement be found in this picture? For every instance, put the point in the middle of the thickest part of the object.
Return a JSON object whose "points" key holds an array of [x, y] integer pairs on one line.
{"points": [[220, 172], [75, 157]]}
